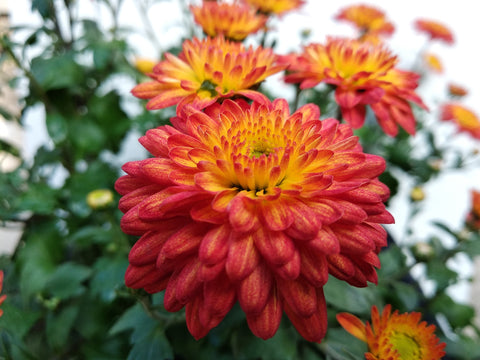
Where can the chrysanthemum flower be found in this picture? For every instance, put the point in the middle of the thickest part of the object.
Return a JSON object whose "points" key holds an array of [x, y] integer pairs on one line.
{"points": [[363, 74], [466, 119], [277, 7], [395, 336], [3, 297], [207, 70], [455, 90], [435, 30], [473, 217], [253, 204], [235, 21], [367, 19], [433, 62]]}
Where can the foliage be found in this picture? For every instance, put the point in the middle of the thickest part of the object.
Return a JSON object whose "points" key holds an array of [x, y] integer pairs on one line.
{"points": [[66, 295]]}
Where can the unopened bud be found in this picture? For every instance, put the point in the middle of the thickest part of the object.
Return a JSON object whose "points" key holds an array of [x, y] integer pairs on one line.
{"points": [[99, 198]]}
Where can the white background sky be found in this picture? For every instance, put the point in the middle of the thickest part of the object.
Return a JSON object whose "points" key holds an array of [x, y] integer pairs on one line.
{"points": [[448, 198]]}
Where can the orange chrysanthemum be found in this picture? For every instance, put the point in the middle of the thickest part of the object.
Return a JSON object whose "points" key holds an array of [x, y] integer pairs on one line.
{"points": [[364, 74], [253, 204], [466, 120], [473, 217], [235, 21], [455, 90], [435, 30], [433, 62], [207, 70], [395, 336], [3, 297], [369, 20], [277, 7]]}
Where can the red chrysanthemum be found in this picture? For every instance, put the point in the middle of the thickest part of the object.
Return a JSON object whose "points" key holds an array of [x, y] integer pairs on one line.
{"points": [[363, 74], [253, 204], [277, 7], [3, 297], [369, 20], [435, 30], [466, 120], [208, 70], [394, 336], [235, 21]]}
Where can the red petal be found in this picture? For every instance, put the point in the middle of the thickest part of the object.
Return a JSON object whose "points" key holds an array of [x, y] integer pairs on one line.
{"points": [[214, 246], [254, 290], [242, 257], [276, 247], [300, 296], [265, 324]]}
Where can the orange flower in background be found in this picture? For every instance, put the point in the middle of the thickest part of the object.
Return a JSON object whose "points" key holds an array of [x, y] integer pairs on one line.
{"points": [[277, 7], [253, 204], [455, 90], [235, 21], [3, 297], [369, 20], [433, 62], [363, 74], [395, 336], [466, 120], [473, 217], [435, 30], [207, 70]]}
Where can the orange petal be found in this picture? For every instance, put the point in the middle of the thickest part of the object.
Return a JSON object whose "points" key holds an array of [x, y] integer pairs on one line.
{"points": [[353, 325]]}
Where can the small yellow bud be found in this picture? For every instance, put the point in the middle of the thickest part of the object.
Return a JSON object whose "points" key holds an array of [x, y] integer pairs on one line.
{"points": [[144, 65], [417, 194], [99, 198]]}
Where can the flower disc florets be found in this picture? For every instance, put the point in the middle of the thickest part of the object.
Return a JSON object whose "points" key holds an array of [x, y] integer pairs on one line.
{"points": [[208, 70], [253, 204]]}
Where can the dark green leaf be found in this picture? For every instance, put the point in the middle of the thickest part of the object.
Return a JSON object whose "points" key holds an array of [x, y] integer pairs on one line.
{"points": [[57, 127], [59, 324], [438, 271], [348, 298], [56, 72], [458, 315], [108, 276], [17, 321], [67, 280]]}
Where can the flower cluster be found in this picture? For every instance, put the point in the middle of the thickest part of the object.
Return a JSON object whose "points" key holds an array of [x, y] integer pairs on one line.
{"points": [[395, 336], [244, 201]]}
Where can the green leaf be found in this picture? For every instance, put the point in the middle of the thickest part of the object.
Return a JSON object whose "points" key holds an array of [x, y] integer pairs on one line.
{"points": [[438, 271], [458, 315], [57, 127], [108, 276], [39, 198], [67, 280], [348, 298], [463, 347], [57, 72], [59, 324], [407, 294], [17, 321], [38, 257], [87, 136], [393, 262]]}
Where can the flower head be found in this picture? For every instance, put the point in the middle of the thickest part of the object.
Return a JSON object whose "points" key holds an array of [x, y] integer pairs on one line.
{"points": [[253, 204], [3, 297], [235, 21], [277, 7], [433, 62], [395, 336], [473, 217], [207, 70], [455, 90], [435, 30], [466, 120], [367, 19], [363, 74]]}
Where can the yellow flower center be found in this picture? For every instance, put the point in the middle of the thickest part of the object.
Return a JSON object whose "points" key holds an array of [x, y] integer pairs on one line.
{"points": [[406, 346]]}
